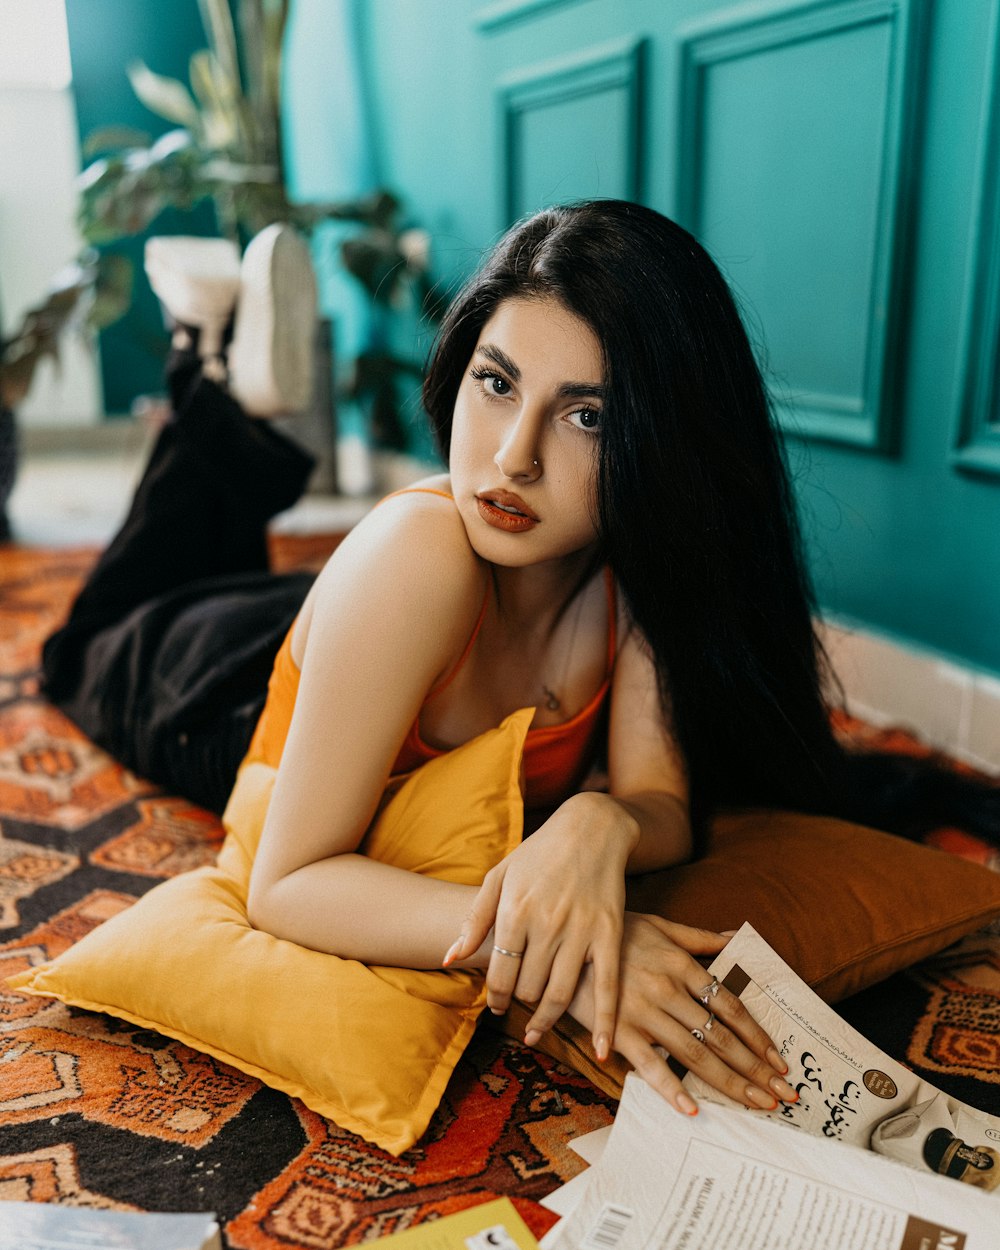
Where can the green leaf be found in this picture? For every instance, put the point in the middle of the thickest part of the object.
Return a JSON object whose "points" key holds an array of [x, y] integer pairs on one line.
{"points": [[202, 78], [219, 103], [122, 195], [112, 293], [217, 20], [111, 138], [166, 97]]}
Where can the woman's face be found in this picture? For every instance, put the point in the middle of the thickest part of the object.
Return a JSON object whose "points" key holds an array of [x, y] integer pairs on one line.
{"points": [[524, 440]]}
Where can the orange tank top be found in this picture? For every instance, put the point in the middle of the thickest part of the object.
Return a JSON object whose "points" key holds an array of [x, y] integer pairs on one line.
{"points": [[556, 757]]}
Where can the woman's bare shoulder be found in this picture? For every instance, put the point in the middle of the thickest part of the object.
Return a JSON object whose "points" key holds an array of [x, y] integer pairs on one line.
{"points": [[413, 544], [433, 483], [420, 524]]}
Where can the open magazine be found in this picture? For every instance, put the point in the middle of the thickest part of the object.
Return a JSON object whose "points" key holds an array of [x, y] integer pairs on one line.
{"points": [[43, 1226], [924, 1173]]}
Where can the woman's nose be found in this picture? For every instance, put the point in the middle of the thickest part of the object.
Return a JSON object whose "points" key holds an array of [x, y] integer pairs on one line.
{"points": [[518, 456]]}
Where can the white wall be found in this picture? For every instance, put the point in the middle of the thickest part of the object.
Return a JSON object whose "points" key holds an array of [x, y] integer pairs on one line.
{"points": [[39, 161]]}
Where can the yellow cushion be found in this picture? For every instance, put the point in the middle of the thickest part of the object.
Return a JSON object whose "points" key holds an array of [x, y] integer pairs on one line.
{"points": [[370, 1047]]}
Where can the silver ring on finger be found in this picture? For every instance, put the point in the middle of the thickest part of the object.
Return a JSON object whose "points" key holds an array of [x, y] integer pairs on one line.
{"points": [[500, 950], [708, 992], [707, 1027]]}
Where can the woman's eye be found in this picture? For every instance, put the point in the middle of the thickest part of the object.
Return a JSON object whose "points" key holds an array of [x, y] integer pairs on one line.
{"points": [[586, 419], [492, 384]]}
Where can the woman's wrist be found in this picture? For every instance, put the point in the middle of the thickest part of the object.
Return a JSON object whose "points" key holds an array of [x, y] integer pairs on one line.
{"points": [[601, 815], [664, 830]]}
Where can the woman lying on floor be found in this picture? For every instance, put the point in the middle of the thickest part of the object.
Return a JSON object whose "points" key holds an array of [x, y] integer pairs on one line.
{"points": [[614, 544]]}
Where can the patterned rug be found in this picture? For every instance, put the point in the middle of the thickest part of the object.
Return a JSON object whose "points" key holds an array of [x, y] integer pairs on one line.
{"points": [[98, 1113]]}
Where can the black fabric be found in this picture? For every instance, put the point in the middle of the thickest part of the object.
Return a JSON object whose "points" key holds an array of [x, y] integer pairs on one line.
{"points": [[165, 657], [8, 465]]}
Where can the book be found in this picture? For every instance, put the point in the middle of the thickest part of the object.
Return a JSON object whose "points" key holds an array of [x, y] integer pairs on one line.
{"points": [[871, 1156], [492, 1225]]}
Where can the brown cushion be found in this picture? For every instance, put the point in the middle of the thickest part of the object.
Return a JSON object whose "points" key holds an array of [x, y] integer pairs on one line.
{"points": [[845, 906]]}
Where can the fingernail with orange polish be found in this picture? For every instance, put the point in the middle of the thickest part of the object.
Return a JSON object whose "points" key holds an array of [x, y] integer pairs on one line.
{"points": [[687, 1104]]}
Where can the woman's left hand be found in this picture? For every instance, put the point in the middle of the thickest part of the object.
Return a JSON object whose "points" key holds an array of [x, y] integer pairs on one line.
{"points": [[556, 904]]}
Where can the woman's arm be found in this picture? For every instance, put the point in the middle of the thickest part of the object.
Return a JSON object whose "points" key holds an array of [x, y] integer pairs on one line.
{"points": [[647, 776], [634, 981], [388, 616], [560, 896]]}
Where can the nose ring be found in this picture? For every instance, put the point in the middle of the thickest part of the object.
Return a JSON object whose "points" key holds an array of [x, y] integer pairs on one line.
{"points": [[534, 464]]}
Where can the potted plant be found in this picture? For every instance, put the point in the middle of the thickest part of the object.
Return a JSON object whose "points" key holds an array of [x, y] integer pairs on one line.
{"points": [[225, 146]]}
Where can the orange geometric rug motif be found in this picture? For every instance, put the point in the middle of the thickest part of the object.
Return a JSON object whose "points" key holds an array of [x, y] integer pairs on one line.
{"points": [[49, 772], [97, 1112]]}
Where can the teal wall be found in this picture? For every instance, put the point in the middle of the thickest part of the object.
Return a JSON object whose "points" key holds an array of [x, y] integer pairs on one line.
{"points": [[837, 158], [104, 37]]}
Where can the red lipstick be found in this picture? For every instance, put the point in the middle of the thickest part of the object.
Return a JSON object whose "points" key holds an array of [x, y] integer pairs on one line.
{"points": [[506, 511]]}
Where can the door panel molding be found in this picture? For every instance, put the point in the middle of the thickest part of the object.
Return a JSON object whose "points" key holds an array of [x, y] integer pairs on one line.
{"points": [[501, 13], [976, 446], [864, 414], [615, 68]]}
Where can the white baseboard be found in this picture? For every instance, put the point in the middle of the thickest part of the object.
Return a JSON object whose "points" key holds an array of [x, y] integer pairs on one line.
{"points": [[952, 708], [104, 437]]}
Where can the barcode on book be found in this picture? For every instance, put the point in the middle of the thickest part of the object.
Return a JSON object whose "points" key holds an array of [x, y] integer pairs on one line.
{"points": [[610, 1227]]}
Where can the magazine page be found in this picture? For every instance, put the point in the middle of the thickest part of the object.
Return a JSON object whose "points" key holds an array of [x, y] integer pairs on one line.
{"points": [[849, 1090], [729, 1180], [41, 1226]]}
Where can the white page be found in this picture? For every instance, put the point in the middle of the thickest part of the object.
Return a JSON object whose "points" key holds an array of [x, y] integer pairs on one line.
{"points": [[564, 1200], [729, 1180], [591, 1145], [41, 1226]]}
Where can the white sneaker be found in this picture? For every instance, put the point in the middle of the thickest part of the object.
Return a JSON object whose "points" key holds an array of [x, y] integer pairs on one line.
{"points": [[197, 280], [271, 353]]}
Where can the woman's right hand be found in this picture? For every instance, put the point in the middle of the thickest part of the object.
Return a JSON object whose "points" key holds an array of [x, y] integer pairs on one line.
{"points": [[658, 1006]]}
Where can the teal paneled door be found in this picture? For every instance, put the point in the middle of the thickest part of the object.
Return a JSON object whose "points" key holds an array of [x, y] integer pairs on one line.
{"points": [[839, 159], [795, 146]]}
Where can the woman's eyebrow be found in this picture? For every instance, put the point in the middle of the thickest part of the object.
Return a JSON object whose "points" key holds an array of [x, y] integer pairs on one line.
{"points": [[500, 358], [568, 390], [582, 390]]}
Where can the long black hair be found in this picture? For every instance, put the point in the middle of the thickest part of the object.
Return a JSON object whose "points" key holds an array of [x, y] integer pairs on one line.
{"points": [[696, 512]]}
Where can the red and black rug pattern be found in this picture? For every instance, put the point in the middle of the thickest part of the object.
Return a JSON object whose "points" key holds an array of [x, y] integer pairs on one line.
{"points": [[98, 1113]]}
